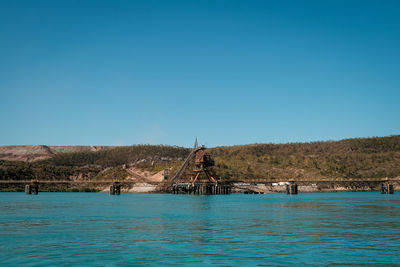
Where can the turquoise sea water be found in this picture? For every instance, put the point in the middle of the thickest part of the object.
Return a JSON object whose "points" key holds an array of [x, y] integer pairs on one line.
{"points": [[95, 229]]}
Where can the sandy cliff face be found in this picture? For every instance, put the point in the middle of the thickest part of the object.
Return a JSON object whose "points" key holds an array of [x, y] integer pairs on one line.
{"points": [[37, 152]]}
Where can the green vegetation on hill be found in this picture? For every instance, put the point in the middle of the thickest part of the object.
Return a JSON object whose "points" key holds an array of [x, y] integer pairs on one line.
{"points": [[100, 165], [120, 155], [350, 158], [19, 170]]}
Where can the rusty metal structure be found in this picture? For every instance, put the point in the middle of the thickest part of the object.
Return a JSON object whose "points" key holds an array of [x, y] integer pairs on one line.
{"points": [[194, 176], [201, 163]]}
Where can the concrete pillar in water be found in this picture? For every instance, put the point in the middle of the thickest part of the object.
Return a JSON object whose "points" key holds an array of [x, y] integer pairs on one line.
{"points": [[28, 189], [111, 190]]}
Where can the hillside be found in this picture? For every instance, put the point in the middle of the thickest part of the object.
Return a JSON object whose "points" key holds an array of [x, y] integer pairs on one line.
{"points": [[350, 158], [38, 152]]}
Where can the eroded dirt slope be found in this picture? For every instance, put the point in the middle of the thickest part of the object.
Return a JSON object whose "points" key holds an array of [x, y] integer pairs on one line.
{"points": [[37, 152]]}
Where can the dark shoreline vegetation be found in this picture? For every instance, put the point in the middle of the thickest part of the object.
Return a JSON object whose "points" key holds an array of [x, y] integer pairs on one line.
{"points": [[54, 189], [375, 157]]}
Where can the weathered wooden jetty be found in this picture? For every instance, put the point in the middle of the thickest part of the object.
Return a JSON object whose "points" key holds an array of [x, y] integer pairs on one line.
{"points": [[201, 188]]}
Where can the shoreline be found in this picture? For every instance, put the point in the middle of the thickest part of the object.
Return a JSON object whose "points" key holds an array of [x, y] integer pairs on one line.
{"points": [[237, 187]]}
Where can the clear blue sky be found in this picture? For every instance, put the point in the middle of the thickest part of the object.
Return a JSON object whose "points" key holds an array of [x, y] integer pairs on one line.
{"points": [[229, 72]]}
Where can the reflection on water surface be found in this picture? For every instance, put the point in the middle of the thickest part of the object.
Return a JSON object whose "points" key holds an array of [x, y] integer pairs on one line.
{"points": [[137, 229]]}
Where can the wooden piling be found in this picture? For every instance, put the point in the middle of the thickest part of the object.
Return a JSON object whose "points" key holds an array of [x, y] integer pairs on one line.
{"points": [[390, 189], [291, 189], [35, 188], [115, 188], [200, 188], [32, 188], [387, 188], [118, 189]]}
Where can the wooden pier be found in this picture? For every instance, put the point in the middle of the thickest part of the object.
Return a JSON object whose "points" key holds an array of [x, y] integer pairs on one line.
{"points": [[201, 188]]}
